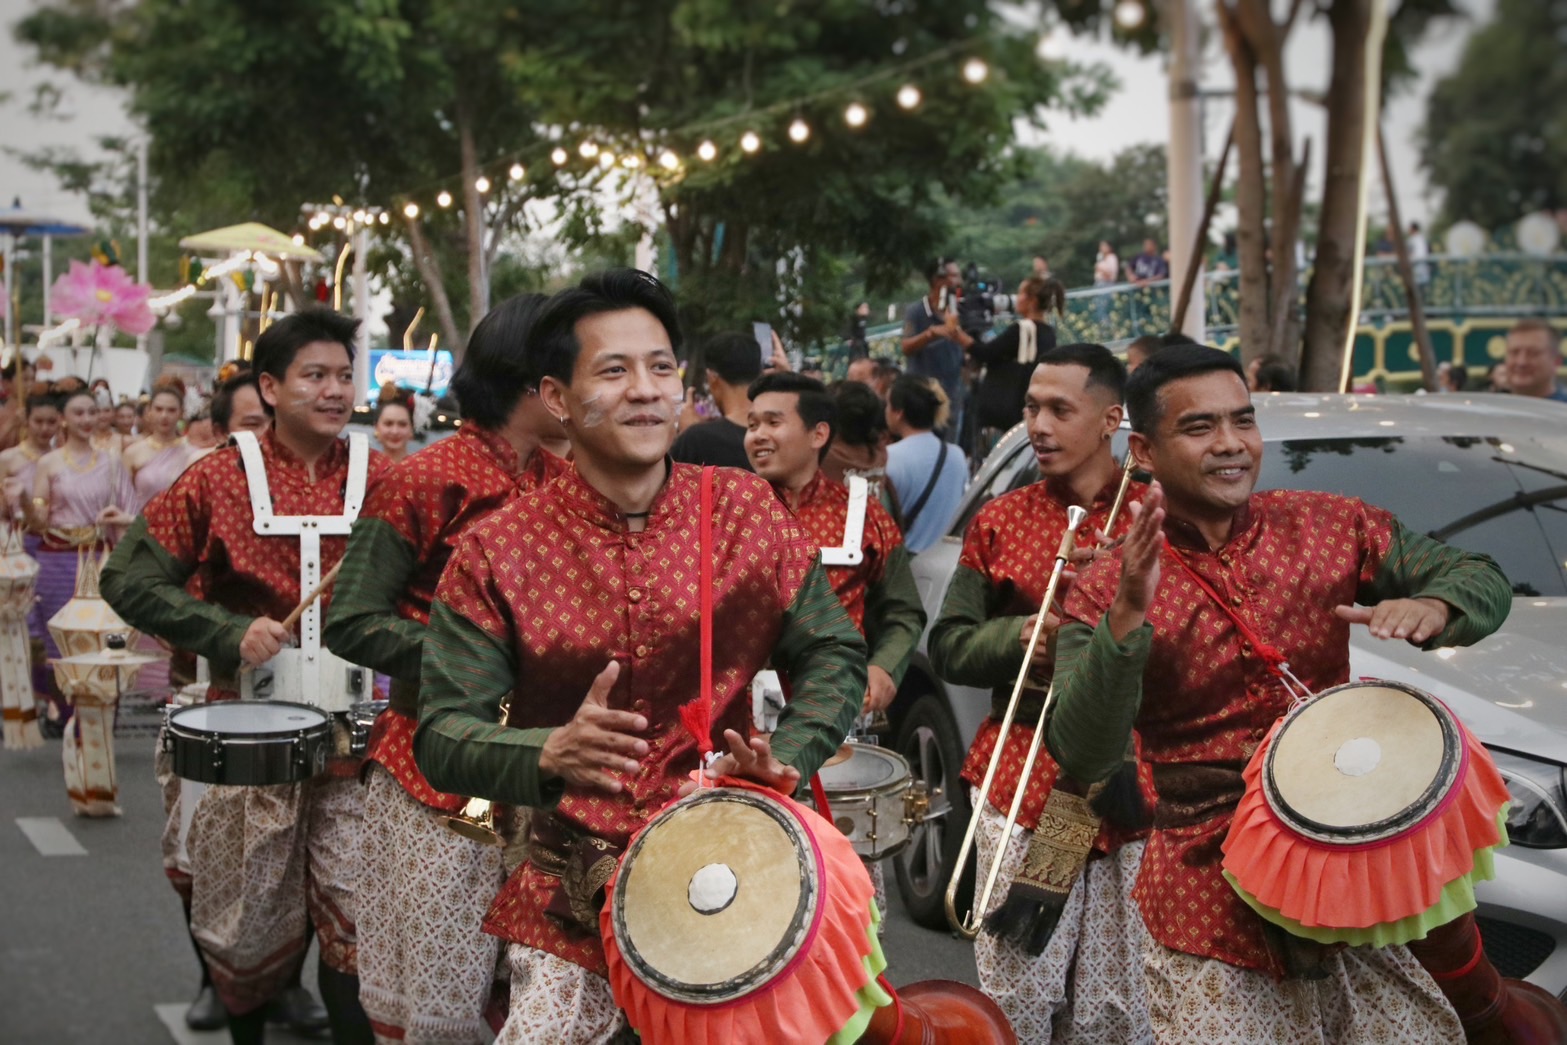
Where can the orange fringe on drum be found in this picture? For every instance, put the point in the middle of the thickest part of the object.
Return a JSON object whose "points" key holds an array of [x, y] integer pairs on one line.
{"points": [[1345, 887], [811, 1001]]}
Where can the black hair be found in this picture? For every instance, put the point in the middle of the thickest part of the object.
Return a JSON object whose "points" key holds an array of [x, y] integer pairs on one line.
{"points": [[222, 408], [734, 357], [76, 393], [1171, 364], [280, 343], [936, 267], [405, 404], [813, 402], [862, 416], [916, 400], [613, 290], [1104, 370], [1277, 376], [500, 365], [42, 401]]}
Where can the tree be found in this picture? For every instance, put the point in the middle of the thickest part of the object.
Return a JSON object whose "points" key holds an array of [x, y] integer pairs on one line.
{"points": [[1495, 136]]}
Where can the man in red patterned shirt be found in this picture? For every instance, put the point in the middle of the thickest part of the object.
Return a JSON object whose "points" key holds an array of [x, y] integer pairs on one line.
{"points": [[425, 966], [580, 602], [1084, 986], [256, 883]]}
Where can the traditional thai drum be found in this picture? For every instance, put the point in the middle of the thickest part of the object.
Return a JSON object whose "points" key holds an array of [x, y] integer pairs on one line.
{"points": [[737, 915], [361, 721], [18, 581], [1369, 814], [869, 790], [247, 743]]}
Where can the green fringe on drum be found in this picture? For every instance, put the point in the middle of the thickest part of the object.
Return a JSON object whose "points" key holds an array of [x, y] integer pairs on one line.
{"points": [[872, 996], [1456, 900]]}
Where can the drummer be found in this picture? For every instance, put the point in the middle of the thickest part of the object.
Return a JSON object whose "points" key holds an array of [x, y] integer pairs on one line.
{"points": [[581, 600], [250, 905], [788, 430], [1080, 991], [1144, 643], [425, 965]]}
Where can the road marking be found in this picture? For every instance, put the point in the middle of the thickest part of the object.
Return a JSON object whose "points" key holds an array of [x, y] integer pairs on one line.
{"points": [[49, 836]]}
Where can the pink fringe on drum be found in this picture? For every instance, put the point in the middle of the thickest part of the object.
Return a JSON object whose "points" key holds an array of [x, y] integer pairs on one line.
{"points": [[812, 1000], [1350, 886]]}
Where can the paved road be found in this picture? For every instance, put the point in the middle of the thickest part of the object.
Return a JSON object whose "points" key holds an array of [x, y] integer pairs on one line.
{"points": [[92, 944]]}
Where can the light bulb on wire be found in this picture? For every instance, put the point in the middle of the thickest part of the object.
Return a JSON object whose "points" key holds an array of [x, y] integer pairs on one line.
{"points": [[632, 161], [411, 211], [606, 159], [443, 198], [668, 160], [518, 172], [856, 115], [750, 142], [482, 184], [908, 96], [975, 70], [588, 150], [799, 131], [707, 151], [559, 157], [1130, 14]]}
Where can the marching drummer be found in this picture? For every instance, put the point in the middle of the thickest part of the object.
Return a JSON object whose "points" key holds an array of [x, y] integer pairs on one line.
{"points": [[1183, 633], [581, 599], [425, 965], [1072, 408], [254, 886]]}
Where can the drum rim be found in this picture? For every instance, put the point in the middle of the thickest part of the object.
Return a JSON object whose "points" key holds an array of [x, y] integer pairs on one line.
{"points": [[806, 914], [269, 736], [1430, 800], [892, 787]]}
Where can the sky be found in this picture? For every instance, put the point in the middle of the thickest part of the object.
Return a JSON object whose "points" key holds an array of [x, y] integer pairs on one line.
{"points": [[1137, 113]]}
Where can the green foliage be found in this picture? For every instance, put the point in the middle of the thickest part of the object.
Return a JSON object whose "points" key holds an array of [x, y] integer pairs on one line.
{"points": [[1495, 138]]}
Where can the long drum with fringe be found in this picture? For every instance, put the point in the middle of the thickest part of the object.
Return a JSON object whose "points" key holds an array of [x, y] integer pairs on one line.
{"points": [[1369, 814], [738, 915]]}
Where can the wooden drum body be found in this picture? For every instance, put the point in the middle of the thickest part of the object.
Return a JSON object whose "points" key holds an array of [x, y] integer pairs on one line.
{"points": [[1369, 813]]}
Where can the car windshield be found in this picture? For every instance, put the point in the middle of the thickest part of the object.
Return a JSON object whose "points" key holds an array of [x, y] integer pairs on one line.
{"points": [[1479, 494]]}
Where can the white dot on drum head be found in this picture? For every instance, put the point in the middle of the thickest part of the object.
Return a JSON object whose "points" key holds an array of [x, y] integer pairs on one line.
{"points": [[1357, 757], [712, 888]]}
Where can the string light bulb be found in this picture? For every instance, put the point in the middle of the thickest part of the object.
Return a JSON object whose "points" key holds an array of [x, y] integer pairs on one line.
{"points": [[443, 198], [749, 141], [668, 160], [1051, 46], [632, 161], [856, 115], [909, 96], [482, 184], [559, 156], [411, 211], [518, 172], [799, 131], [707, 151], [384, 218], [606, 159], [1130, 14], [588, 150], [338, 223], [975, 70], [299, 239]]}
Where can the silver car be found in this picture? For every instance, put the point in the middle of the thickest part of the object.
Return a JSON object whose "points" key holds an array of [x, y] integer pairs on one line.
{"points": [[1486, 473]]}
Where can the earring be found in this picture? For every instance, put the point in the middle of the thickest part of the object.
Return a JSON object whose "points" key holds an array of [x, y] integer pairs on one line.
{"points": [[562, 420]]}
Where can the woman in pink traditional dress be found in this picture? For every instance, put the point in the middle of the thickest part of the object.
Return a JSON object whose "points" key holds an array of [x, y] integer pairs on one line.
{"points": [[18, 469], [153, 463], [80, 497]]}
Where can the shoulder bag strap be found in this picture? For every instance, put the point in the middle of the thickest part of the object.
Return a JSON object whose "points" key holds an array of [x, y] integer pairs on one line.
{"points": [[935, 473]]}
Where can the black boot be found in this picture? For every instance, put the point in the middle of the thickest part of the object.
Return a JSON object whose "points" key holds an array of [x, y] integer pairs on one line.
{"points": [[248, 1028], [206, 1012], [294, 1007], [340, 992]]}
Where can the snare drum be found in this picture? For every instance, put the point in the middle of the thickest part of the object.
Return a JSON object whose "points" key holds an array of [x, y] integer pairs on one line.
{"points": [[248, 742], [868, 788], [1369, 814], [739, 915], [361, 720]]}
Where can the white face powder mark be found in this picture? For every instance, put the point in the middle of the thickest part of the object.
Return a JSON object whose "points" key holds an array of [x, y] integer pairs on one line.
{"points": [[592, 416]]}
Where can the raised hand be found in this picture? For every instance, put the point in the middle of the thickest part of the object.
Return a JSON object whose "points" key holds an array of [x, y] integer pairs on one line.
{"points": [[597, 740], [1414, 619], [1139, 564]]}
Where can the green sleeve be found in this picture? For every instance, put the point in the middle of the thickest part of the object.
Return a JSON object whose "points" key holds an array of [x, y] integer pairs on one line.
{"points": [[967, 646], [460, 745], [362, 624], [823, 656], [146, 585], [1421, 567], [1098, 691], [894, 616]]}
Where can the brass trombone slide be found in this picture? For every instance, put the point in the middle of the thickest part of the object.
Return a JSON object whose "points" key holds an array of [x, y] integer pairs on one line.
{"points": [[968, 926]]}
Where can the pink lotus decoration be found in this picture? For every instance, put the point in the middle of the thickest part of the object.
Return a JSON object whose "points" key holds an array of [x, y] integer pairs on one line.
{"points": [[99, 295]]}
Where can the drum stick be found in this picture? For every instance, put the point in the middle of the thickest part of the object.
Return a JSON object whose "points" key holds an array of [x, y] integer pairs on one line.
{"points": [[299, 611]]}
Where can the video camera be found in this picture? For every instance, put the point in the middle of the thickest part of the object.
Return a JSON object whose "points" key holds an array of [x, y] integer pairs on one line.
{"points": [[983, 297]]}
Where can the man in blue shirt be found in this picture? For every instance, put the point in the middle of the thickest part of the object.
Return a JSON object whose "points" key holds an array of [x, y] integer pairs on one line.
{"points": [[926, 473], [1534, 355], [932, 339]]}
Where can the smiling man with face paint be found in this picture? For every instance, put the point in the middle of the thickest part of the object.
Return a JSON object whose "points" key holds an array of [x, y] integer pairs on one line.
{"points": [[579, 602], [249, 910]]}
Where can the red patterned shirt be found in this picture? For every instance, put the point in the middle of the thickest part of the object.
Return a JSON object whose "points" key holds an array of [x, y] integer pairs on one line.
{"points": [[823, 509], [1011, 545]]}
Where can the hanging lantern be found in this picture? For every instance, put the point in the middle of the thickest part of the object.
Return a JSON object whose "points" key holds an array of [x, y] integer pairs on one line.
{"points": [[83, 627], [18, 580]]}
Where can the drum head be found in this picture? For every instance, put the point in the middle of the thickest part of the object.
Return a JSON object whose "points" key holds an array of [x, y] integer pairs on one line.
{"points": [[1362, 762], [867, 768], [716, 896], [247, 718]]}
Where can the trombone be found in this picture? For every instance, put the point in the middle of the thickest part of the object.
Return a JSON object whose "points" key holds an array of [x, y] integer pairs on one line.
{"points": [[968, 925], [475, 821]]}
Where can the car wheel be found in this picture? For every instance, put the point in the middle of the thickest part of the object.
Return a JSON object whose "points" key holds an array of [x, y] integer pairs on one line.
{"points": [[928, 738]]}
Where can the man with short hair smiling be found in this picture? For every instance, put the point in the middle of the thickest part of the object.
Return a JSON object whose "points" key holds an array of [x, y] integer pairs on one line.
{"points": [[579, 602], [1169, 635], [731, 362], [1534, 355], [1083, 985], [253, 878]]}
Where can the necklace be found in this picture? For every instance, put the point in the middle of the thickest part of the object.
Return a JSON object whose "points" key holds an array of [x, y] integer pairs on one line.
{"points": [[92, 460], [160, 444], [636, 515]]}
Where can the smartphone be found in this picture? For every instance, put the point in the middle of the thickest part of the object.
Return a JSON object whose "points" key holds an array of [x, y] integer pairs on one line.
{"points": [[764, 341]]}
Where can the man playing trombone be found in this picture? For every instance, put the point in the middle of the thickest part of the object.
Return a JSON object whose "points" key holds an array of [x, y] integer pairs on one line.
{"points": [[1080, 982]]}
